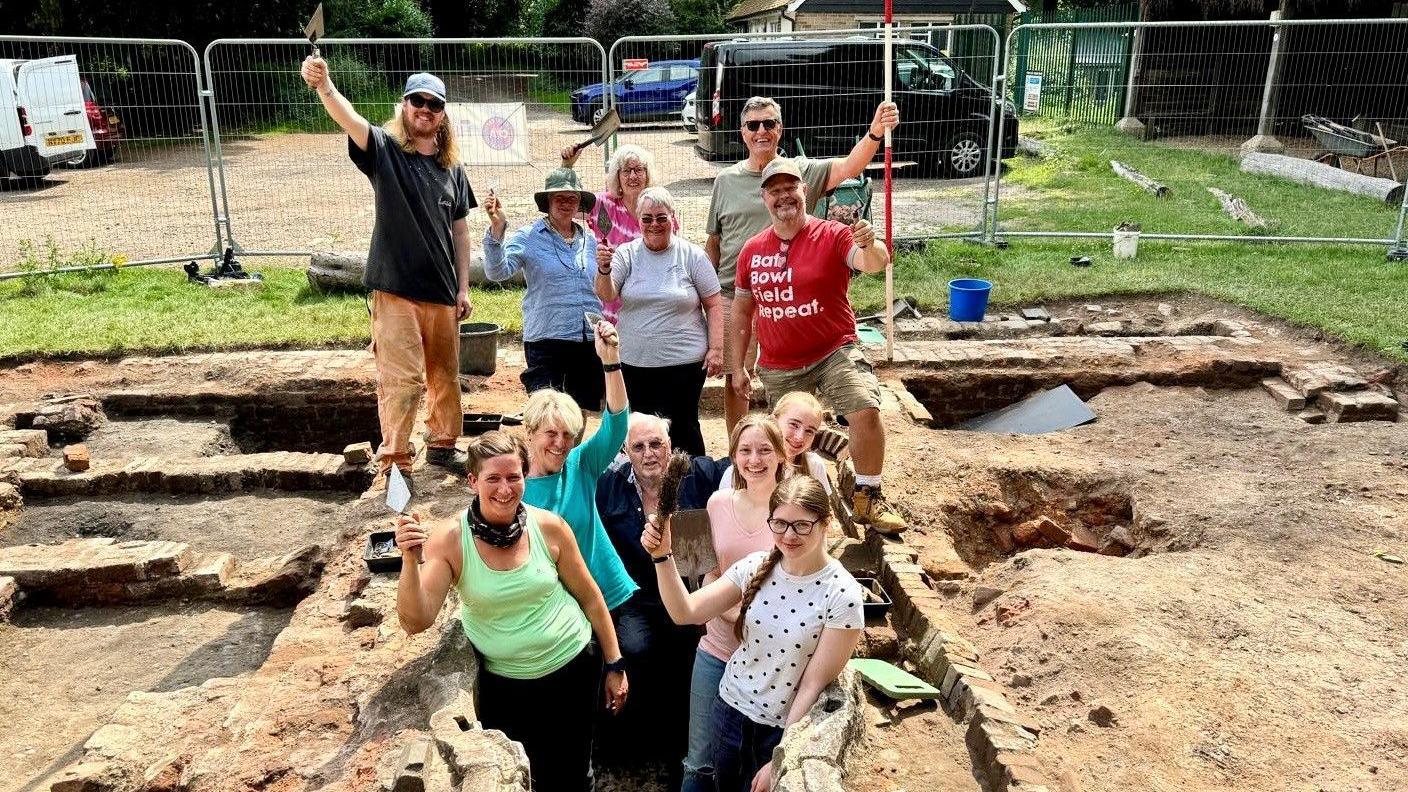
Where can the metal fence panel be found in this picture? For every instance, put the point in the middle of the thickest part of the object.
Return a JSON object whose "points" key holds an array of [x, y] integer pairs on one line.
{"points": [[289, 186], [1216, 89], [142, 190], [828, 93]]}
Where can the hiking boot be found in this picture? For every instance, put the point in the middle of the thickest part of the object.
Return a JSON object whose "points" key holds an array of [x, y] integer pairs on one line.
{"points": [[448, 457], [871, 509]]}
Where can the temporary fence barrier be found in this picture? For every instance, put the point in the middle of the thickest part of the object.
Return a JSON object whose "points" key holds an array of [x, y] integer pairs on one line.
{"points": [[271, 169], [828, 84], [104, 154], [1197, 97], [296, 191]]}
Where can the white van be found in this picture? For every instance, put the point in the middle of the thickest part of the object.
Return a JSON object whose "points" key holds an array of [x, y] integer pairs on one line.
{"points": [[42, 117]]}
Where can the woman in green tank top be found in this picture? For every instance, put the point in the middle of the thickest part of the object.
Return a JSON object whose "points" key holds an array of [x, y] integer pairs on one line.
{"points": [[529, 606]]}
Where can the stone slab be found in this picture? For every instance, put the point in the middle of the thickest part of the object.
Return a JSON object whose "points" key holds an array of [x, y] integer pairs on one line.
{"points": [[91, 562], [1367, 405], [1288, 398]]}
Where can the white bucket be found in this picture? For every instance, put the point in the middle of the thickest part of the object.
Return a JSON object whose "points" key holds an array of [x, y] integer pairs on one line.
{"points": [[1126, 244]]}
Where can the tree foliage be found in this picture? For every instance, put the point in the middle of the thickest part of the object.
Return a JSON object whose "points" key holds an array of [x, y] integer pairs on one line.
{"points": [[608, 20]]}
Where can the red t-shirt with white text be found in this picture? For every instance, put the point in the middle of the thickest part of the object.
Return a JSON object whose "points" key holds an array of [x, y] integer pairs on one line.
{"points": [[799, 288]]}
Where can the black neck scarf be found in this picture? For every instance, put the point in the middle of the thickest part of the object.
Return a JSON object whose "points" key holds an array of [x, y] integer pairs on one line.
{"points": [[496, 535]]}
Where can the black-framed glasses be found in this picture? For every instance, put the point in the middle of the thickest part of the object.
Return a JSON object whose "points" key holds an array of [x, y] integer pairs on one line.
{"points": [[657, 219], [799, 527], [761, 123], [653, 445], [420, 101]]}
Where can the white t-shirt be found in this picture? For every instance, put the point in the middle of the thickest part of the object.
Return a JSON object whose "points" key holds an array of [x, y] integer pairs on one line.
{"points": [[661, 319], [816, 466], [784, 627]]}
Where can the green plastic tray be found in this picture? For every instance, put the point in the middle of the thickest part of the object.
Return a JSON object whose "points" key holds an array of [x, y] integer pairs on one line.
{"points": [[891, 680]]}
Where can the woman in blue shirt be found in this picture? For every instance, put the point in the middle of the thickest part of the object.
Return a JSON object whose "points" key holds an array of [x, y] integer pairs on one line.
{"points": [[557, 256]]}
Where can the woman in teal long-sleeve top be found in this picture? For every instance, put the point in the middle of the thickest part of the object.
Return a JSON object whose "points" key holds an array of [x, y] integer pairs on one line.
{"points": [[562, 473]]}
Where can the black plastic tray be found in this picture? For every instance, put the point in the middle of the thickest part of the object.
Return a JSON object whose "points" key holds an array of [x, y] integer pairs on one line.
{"points": [[872, 608], [479, 423], [381, 563]]}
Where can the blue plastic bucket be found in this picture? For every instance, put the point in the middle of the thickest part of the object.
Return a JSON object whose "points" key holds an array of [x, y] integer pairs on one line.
{"points": [[968, 299]]}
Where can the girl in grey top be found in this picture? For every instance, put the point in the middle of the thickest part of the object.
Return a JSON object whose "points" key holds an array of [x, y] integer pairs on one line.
{"points": [[671, 318]]}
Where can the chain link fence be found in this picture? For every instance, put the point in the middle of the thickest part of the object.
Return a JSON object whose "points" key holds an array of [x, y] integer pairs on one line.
{"points": [[103, 153]]}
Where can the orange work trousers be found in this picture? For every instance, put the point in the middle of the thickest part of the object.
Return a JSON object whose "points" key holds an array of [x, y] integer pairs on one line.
{"points": [[417, 348]]}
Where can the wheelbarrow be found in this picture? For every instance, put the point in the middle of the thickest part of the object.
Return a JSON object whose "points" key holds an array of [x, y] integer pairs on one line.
{"points": [[1341, 142]]}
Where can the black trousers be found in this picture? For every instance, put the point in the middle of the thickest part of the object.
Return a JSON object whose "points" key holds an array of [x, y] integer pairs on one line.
{"points": [[552, 716], [569, 366], [670, 392]]}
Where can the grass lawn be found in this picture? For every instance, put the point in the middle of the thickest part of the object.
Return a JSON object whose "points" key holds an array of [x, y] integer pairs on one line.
{"points": [[1348, 291]]}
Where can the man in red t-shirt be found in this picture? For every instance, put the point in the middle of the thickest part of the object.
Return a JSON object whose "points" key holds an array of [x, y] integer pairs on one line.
{"points": [[793, 278]]}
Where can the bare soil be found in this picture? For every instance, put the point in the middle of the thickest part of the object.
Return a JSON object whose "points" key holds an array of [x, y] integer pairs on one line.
{"points": [[173, 437], [67, 670], [248, 526], [1252, 641], [1259, 651]]}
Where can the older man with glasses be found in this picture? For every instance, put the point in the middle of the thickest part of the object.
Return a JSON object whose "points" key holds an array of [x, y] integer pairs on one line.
{"points": [[736, 211], [658, 652], [418, 265], [671, 318]]}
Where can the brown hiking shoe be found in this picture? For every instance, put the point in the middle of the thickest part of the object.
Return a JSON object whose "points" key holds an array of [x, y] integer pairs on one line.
{"points": [[871, 509]]}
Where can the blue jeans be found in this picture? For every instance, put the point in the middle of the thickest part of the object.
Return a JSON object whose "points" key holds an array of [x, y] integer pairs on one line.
{"points": [[703, 692], [741, 748]]}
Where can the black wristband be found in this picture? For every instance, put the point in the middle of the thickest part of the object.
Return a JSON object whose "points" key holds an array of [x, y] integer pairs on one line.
{"points": [[601, 271], [662, 559], [880, 139], [618, 665], [610, 367]]}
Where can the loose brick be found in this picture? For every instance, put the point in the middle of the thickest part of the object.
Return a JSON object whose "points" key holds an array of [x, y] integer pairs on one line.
{"points": [[9, 595], [985, 712], [1311, 416], [1051, 531], [1344, 407], [76, 458], [1287, 397]]}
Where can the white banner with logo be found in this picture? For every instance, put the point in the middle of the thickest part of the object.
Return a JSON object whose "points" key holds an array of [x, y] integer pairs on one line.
{"points": [[491, 134]]}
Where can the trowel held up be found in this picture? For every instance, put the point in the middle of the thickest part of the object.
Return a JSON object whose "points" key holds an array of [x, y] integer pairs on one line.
{"points": [[398, 497], [314, 29]]}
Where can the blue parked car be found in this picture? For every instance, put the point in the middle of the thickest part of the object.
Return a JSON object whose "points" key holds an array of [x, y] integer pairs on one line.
{"points": [[652, 93]]}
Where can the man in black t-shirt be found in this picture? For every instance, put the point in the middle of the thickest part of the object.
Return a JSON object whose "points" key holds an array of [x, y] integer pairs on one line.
{"points": [[418, 266]]}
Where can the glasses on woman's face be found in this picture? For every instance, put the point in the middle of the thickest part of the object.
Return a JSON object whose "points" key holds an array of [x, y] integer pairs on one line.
{"points": [[799, 527], [761, 123], [421, 101], [633, 171], [656, 219]]}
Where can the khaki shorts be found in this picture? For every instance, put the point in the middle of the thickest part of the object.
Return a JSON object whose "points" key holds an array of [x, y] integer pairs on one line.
{"points": [[844, 380], [750, 357]]}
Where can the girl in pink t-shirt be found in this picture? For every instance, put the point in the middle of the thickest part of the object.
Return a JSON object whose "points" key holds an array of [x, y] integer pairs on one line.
{"points": [[738, 520]]}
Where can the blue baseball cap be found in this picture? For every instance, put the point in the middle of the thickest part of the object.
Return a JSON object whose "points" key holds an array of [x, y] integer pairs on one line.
{"points": [[423, 82]]}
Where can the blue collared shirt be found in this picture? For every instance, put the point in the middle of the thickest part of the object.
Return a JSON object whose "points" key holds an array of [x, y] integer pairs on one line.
{"points": [[559, 278]]}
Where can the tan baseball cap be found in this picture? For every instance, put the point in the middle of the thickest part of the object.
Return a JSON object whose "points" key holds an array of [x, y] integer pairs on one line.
{"points": [[781, 166]]}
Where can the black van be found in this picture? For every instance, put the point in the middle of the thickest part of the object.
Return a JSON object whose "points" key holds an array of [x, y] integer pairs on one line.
{"points": [[828, 90]]}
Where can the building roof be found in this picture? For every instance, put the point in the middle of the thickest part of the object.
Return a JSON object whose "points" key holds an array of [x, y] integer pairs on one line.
{"points": [[914, 6], [748, 8]]}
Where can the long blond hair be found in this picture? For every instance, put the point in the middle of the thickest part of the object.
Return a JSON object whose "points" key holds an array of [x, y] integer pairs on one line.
{"points": [[774, 436], [448, 155]]}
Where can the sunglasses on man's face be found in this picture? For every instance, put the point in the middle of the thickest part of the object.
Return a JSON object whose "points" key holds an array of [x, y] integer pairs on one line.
{"points": [[659, 219], [420, 101], [761, 123]]}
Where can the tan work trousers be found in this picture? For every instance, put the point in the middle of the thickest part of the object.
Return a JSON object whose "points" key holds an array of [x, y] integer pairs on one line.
{"points": [[417, 348]]}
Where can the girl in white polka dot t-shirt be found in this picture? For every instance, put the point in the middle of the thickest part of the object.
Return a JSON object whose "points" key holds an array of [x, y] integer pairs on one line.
{"points": [[800, 620]]}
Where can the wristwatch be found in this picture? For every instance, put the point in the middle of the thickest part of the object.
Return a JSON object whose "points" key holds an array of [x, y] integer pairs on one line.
{"points": [[617, 665], [879, 139], [610, 367]]}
